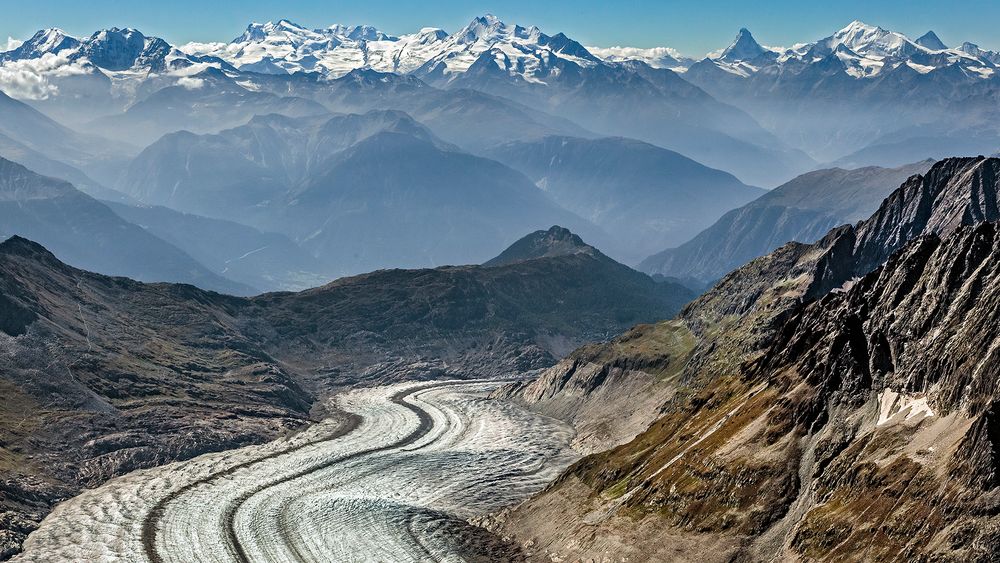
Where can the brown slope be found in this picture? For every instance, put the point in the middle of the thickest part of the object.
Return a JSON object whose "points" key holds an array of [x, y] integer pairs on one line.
{"points": [[104, 375], [769, 447]]}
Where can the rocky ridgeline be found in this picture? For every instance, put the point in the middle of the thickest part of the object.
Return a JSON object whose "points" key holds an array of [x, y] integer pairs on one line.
{"points": [[839, 402], [803, 209], [954, 192]]}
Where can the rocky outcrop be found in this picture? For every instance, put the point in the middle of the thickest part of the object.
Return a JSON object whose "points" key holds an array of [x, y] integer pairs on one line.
{"points": [[589, 387], [102, 375], [557, 241], [656, 365], [953, 193]]}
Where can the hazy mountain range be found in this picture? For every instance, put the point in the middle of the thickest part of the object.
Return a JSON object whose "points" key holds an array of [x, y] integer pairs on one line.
{"points": [[891, 74], [89, 234], [625, 186], [207, 86], [802, 210], [360, 192], [367, 150], [201, 243]]}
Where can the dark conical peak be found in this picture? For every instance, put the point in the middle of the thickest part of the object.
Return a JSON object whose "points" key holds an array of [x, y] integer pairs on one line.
{"points": [[566, 46], [931, 41], [743, 48], [557, 241], [20, 246]]}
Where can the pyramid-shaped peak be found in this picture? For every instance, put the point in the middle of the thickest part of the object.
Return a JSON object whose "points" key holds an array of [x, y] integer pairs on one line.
{"points": [[931, 41], [51, 40], [286, 24], [50, 35], [743, 48]]}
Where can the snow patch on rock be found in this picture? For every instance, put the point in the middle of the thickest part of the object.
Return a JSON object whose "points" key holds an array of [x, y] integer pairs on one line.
{"points": [[894, 405]]}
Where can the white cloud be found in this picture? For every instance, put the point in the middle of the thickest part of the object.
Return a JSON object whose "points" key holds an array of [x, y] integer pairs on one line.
{"points": [[654, 56], [29, 79], [195, 48], [191, 83], [635, 52], [12, 44]]}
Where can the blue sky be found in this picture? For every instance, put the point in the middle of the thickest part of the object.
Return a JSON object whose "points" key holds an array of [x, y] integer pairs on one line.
{"points": [[693, 27]]}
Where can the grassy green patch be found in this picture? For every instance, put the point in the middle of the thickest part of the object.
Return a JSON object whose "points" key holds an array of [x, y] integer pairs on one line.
{"points": [[616, 490]]}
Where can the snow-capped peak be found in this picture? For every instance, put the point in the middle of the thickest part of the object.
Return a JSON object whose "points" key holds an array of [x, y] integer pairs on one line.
{"points": [[488, 43], [974, 50], [431, 34], [127, 33], [484, 28], [259, 32], [49, 40], [254, 32], [743, 48], [931, 41], [333, 51], [870, 40], [359, 32], [52, 40], [118, 49], [656, 57]]}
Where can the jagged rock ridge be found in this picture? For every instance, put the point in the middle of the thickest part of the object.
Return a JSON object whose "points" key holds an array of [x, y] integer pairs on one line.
{"points": [[856, 423]]}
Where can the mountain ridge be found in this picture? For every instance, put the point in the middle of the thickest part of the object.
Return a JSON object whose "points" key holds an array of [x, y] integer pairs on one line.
{"points": [[644, 196], [91, 235], [827, 364], [803, 209], [553, 73], [359, 192]]}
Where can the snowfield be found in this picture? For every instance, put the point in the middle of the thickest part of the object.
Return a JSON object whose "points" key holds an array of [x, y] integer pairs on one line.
{"points": [[395, 480]]}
